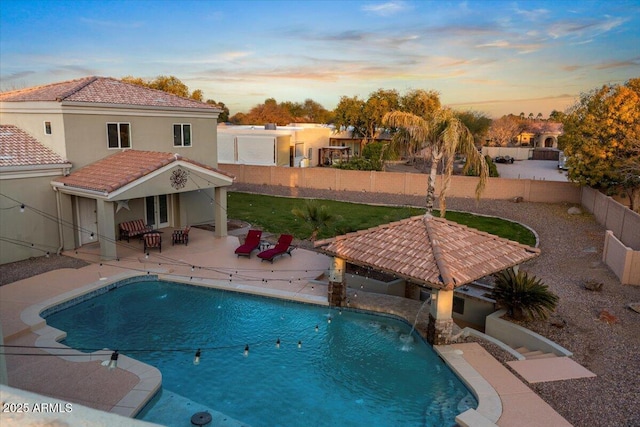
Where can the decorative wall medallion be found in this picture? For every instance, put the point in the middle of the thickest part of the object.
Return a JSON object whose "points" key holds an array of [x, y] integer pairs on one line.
{"points": [[179, 178]]}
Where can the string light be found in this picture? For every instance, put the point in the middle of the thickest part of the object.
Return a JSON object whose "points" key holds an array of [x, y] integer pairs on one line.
{"points": [[196, 358], [278, 343], [22, 208], [246, 350], [91, 236], [317, 328], [299, 344]]}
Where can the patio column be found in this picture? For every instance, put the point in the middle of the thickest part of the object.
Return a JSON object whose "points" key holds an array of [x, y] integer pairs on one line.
{"points": [[337, 284], [440, 324], [220, 211], [106, 229]]}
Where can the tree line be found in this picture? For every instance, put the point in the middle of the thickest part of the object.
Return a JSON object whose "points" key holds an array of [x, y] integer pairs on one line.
{"points": [[601, 131]]}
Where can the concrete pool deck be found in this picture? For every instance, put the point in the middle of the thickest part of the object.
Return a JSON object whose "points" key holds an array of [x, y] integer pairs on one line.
{"points": [[206, 261]]}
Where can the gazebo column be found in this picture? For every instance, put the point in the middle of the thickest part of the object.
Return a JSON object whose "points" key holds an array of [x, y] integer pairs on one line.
{"points": [[440, 324], [220, 211], [337, 283], [106, 229]]}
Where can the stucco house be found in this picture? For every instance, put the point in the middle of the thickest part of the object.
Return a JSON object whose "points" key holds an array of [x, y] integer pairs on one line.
{"points": [[80, 157], [294, 145], [540, 134]]}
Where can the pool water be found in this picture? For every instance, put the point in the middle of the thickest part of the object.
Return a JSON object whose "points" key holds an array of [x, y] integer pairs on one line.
{"points": [[354, 369]]}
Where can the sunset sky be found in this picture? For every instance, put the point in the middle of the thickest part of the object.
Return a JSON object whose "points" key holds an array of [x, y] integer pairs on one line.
{"points": [[496, 57]]}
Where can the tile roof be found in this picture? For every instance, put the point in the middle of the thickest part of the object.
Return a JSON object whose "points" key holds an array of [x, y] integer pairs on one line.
{"points": [[116, 171], [429, 250], [104, 90], [18, 148]]}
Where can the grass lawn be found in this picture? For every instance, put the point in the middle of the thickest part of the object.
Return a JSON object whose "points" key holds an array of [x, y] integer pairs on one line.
{"points": [[273, 214]]}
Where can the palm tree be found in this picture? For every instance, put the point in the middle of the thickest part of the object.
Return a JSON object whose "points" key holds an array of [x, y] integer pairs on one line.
{"points": [[525, 297], [316, 215], [441, 136]]}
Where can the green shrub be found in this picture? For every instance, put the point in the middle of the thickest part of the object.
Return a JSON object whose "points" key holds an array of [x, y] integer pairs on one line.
{"points": [[525, 297], [493, 169]]}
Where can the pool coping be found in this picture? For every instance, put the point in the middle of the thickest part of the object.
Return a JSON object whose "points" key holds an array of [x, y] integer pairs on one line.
{"points": [[489, 403]]}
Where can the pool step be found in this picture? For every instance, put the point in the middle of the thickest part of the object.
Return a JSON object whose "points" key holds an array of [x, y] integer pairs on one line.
{"points": [[534, 354]]}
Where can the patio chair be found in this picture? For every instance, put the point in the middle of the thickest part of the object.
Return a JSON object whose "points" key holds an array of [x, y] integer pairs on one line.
{"points": [[251, 243], [181, 236], [152, 240], [282, 247]]}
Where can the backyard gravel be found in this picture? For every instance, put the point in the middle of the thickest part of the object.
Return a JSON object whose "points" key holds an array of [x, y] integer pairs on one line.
{"points": [[571, 252]]}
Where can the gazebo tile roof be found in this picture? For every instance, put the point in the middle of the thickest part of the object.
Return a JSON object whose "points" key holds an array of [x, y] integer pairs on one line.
{"points": [[429, 250]]}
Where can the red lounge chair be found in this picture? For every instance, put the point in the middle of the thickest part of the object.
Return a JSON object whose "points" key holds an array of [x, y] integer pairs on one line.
{"points": [[282, 247], [152, 240], [250, 243]]}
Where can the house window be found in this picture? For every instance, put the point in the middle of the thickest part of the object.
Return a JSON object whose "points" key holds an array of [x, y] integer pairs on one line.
{"points": [[47, 128], [119, 135], [182, 135]]}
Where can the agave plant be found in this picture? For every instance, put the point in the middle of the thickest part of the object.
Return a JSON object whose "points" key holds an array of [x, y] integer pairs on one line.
{"points": [[525, 297]]}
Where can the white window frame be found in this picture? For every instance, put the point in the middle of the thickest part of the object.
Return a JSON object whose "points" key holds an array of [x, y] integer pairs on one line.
{"points": [[182, 125], [118, 124], [47, 126]]}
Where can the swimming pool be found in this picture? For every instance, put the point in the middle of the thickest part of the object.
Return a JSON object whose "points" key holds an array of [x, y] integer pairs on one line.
{"points": [[354, 369]]}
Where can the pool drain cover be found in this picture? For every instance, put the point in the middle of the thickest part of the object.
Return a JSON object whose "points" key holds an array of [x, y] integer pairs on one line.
{"points": [[201, 418]]}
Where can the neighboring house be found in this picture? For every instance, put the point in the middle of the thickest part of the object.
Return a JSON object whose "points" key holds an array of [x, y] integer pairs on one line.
{"points": [[540, 134], [346, 138], [295, 145], [118, 152]]}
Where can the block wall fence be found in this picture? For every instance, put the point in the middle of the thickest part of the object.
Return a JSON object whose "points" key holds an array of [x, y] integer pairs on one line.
{"points": [[413, 184]]}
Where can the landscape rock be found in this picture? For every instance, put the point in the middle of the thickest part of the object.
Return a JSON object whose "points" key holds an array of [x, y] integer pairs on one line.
{"points": [[592, 285], [607, 317], [574, 211]]}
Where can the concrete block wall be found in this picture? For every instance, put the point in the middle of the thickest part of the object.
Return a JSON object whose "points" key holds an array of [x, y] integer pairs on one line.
{"points": [[413, 184]]}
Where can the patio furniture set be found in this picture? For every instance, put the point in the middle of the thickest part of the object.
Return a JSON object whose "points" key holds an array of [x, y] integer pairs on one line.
{"points": [[152, 239], [267, 252], [149, 236]]}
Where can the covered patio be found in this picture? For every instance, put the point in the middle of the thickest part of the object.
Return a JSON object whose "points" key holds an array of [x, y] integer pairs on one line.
{"points": [[159, 189]]}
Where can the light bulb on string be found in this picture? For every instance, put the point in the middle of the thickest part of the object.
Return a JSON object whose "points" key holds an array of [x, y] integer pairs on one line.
{"points": [[196, 358], [317, 328], [47, 254], [22, 208], [246, 350], [299, 344], [91, 236], [278, 343]]}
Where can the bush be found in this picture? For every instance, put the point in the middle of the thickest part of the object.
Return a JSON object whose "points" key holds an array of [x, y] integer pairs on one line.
{"points": [[525, 297], [493, 169]]}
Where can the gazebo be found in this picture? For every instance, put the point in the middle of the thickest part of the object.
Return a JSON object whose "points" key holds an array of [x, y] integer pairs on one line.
{"points": [[430, 252]]}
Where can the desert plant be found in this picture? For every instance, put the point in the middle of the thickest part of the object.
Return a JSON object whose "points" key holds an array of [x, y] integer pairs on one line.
{"points": [[525, 297], [314, 214]]}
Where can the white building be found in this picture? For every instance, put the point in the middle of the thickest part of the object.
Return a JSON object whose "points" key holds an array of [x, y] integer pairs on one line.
{"points": [[294, 145]]}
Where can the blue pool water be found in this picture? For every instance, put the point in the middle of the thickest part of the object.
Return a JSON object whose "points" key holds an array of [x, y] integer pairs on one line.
{"points": [[357, 370]]}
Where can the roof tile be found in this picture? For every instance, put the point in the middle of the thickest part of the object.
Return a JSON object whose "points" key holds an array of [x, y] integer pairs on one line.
{"points": [[120, 169], [18, 148], [429, 250], [103, 90]]}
